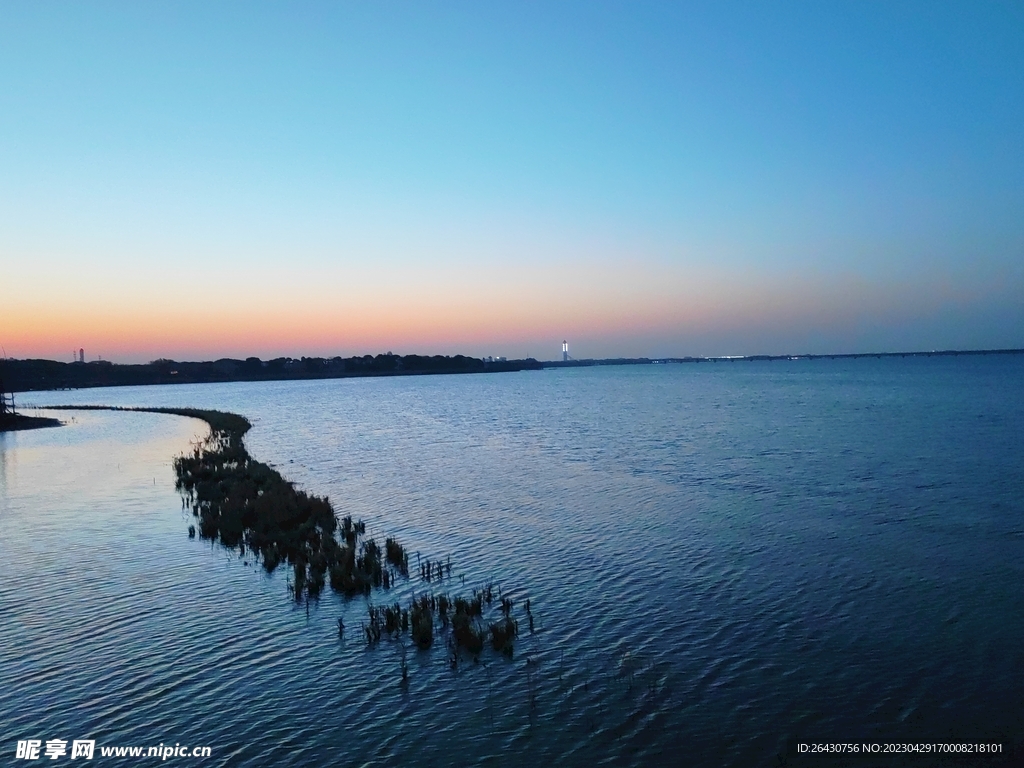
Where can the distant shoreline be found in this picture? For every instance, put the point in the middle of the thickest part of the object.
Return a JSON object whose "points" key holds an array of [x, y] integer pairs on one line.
{"points": [[751, 358], [49, 375], [36, 375]]}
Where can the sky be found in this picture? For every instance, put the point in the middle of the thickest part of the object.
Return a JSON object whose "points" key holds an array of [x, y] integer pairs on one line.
{"points": [[202, 180]]}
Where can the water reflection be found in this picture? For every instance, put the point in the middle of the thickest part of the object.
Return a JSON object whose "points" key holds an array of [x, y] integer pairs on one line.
{"points": [[3, 462], [718, 559]]}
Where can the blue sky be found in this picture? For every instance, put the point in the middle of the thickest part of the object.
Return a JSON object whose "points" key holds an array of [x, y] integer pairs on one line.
{"points": [[197, 180]]}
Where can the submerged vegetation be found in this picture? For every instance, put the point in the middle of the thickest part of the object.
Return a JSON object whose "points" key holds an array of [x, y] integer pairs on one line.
{"points": [[247, 505], [458, 620]]}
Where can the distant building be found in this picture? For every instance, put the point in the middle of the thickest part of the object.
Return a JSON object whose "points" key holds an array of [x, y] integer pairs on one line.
{"points": [[81, 355], [565, 351]]}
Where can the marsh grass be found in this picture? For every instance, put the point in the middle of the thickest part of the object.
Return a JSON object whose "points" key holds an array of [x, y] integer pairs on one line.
{"points": [[247, 505]]}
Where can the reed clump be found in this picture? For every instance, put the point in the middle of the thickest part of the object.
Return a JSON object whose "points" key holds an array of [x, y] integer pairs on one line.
{"points": [[503, 632], [397, 556], [466, 630], [435, 570], [422, 618], [244, 503], [460, 620]]}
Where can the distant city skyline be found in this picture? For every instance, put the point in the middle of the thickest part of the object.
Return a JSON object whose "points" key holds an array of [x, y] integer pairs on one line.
{"points": [[196, 181]]}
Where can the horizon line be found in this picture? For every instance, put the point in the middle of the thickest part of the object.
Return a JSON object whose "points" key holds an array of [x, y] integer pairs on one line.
{"points": [[776, 356]]}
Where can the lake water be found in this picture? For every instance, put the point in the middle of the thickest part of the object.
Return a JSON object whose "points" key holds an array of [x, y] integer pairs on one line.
{"points": [[721, 558]]}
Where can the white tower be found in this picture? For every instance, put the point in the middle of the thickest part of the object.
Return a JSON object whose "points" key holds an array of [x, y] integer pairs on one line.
{"points": [[565, 351]]}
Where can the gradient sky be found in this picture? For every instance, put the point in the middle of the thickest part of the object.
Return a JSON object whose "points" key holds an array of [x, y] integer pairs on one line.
{"points": [[198, 180]]}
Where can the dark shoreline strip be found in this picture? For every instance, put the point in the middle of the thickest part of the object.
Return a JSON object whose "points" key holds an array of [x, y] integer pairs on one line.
{"points": [[16, 422], [40, 375], [219, 421]]}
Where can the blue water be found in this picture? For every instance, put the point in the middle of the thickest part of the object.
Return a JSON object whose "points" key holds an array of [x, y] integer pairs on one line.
{"points": [[721, 558]]}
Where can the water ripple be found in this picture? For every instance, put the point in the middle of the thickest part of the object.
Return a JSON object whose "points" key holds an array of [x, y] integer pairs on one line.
{"points": [[718, 561]]}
